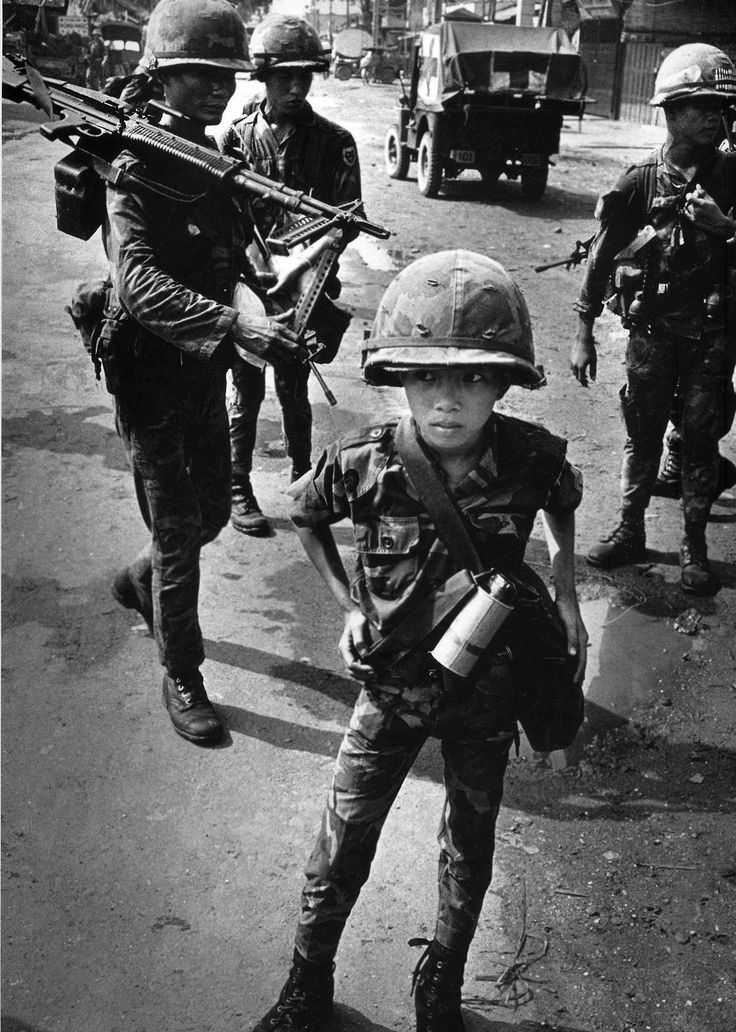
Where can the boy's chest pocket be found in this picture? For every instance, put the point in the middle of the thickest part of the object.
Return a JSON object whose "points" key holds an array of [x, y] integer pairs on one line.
{"points": [[388, 552]]}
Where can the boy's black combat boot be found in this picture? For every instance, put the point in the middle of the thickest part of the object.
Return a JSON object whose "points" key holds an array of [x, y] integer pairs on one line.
{"points": [[305, 1002], [625, 544], [696, 576], [437, 985], [246, 515]]}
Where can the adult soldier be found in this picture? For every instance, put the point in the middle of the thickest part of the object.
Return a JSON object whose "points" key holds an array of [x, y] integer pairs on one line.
{"points": [[176, 250], [676, 297], [96, 54], [283, 138]]}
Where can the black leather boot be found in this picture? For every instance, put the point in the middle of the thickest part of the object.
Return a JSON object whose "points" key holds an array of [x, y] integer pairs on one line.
{"points": [[669, 482], [134, 592], [305, 1002], [696, 576], [437, 985], [625, 544], [191, 712], [246, 515]]}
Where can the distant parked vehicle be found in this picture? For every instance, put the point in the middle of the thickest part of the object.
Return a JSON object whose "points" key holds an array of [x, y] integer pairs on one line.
{"points": [[488, 97], [348, 47]]}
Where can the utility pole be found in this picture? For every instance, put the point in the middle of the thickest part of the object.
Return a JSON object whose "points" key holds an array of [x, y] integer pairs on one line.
{"points": [[376, 28], [525, 12]]}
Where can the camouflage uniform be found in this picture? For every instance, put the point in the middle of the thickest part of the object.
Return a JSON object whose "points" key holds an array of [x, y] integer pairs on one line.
{"points": [[173, 267], [320, 158], [399, 561], [680, 353]]}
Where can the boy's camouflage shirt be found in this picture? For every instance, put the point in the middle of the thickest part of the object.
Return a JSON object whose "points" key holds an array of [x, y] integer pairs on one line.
{"points": [[399, 559]]}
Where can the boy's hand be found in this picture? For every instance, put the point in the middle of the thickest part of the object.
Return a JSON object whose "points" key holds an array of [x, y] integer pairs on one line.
{"points": [[354, 642], [577, 636]]}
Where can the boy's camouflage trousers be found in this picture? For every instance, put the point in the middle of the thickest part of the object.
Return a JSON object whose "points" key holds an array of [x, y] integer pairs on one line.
{"points": [[389, 725]]}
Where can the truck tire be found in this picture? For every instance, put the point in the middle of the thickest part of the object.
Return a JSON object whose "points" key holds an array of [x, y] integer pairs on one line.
{"points": [[386, 75], [396, 157], [429, 166], [343, 72], [534, 182]]}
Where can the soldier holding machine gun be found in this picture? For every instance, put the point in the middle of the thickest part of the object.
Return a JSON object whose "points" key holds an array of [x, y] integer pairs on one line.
{"points": [[183, 302], [667, 241], [171, 331]]}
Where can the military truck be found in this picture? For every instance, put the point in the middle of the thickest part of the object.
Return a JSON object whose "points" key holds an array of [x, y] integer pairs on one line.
{"points": [[487, 97]]}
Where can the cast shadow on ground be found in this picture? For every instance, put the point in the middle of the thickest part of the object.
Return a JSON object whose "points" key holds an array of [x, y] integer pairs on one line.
{"points": [[347, 1019], [560, 205], [66, 431], [11, 1024], [649, 774]]}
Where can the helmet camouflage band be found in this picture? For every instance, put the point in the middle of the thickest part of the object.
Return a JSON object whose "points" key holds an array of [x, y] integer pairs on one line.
{"points": [[696, 69], [196, 32], [453, 308], [283, 41]]}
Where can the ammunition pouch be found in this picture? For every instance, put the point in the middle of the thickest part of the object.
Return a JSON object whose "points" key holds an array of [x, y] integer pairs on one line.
{"points": [[114, 348], [80, 197], [87, 309]]}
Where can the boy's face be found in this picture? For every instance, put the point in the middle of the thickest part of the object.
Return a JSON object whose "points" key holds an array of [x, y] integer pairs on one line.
{"points": [[451, 406], [200, 92]]}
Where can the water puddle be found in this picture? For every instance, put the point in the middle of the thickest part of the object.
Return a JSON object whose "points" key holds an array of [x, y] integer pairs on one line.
{"points": [[628, 658]]}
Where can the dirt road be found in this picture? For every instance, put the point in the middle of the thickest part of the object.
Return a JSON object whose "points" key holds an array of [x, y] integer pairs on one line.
{"points": [[150, 886]]}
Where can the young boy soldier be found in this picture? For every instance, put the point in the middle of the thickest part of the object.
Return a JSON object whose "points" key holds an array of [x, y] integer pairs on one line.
{"points": [[452, 329], [283, 138], [669, 222], [176, 250]]}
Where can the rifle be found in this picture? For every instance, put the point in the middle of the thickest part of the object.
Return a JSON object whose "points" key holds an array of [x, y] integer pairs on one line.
{"points": [[98, 130], [582, 248]]}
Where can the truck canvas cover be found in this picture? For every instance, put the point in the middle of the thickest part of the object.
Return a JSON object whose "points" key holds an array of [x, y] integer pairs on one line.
{"points": [[498, 59]]}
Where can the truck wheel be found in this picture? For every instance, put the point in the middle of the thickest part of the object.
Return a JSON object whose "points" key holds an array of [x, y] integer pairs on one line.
{"points": [[429, 167], [386, 75], [342, 72], [396, 157], [534, 182]]}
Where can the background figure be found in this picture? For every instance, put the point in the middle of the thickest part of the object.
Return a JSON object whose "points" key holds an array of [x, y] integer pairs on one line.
{"points": [[169, 334], [96, 55], [287, 141], [667, 240], [453, 329]]}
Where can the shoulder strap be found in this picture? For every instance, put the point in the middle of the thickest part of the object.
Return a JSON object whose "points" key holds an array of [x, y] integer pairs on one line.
{"points": [[441, 507]]}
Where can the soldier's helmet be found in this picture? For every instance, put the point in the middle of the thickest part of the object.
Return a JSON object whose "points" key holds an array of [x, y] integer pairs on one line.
{"points": [[452, 308], [283, 41], [696, 69], [196, 32]]}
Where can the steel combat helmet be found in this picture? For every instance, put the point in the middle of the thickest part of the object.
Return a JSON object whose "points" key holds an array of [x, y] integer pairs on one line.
{"points": [[453, 308], [696, 69], [196, 32], [283, 41]]}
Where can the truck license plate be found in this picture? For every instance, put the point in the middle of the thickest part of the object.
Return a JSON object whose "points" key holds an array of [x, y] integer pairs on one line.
{"points": [[533, 159], [463, 157]]}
